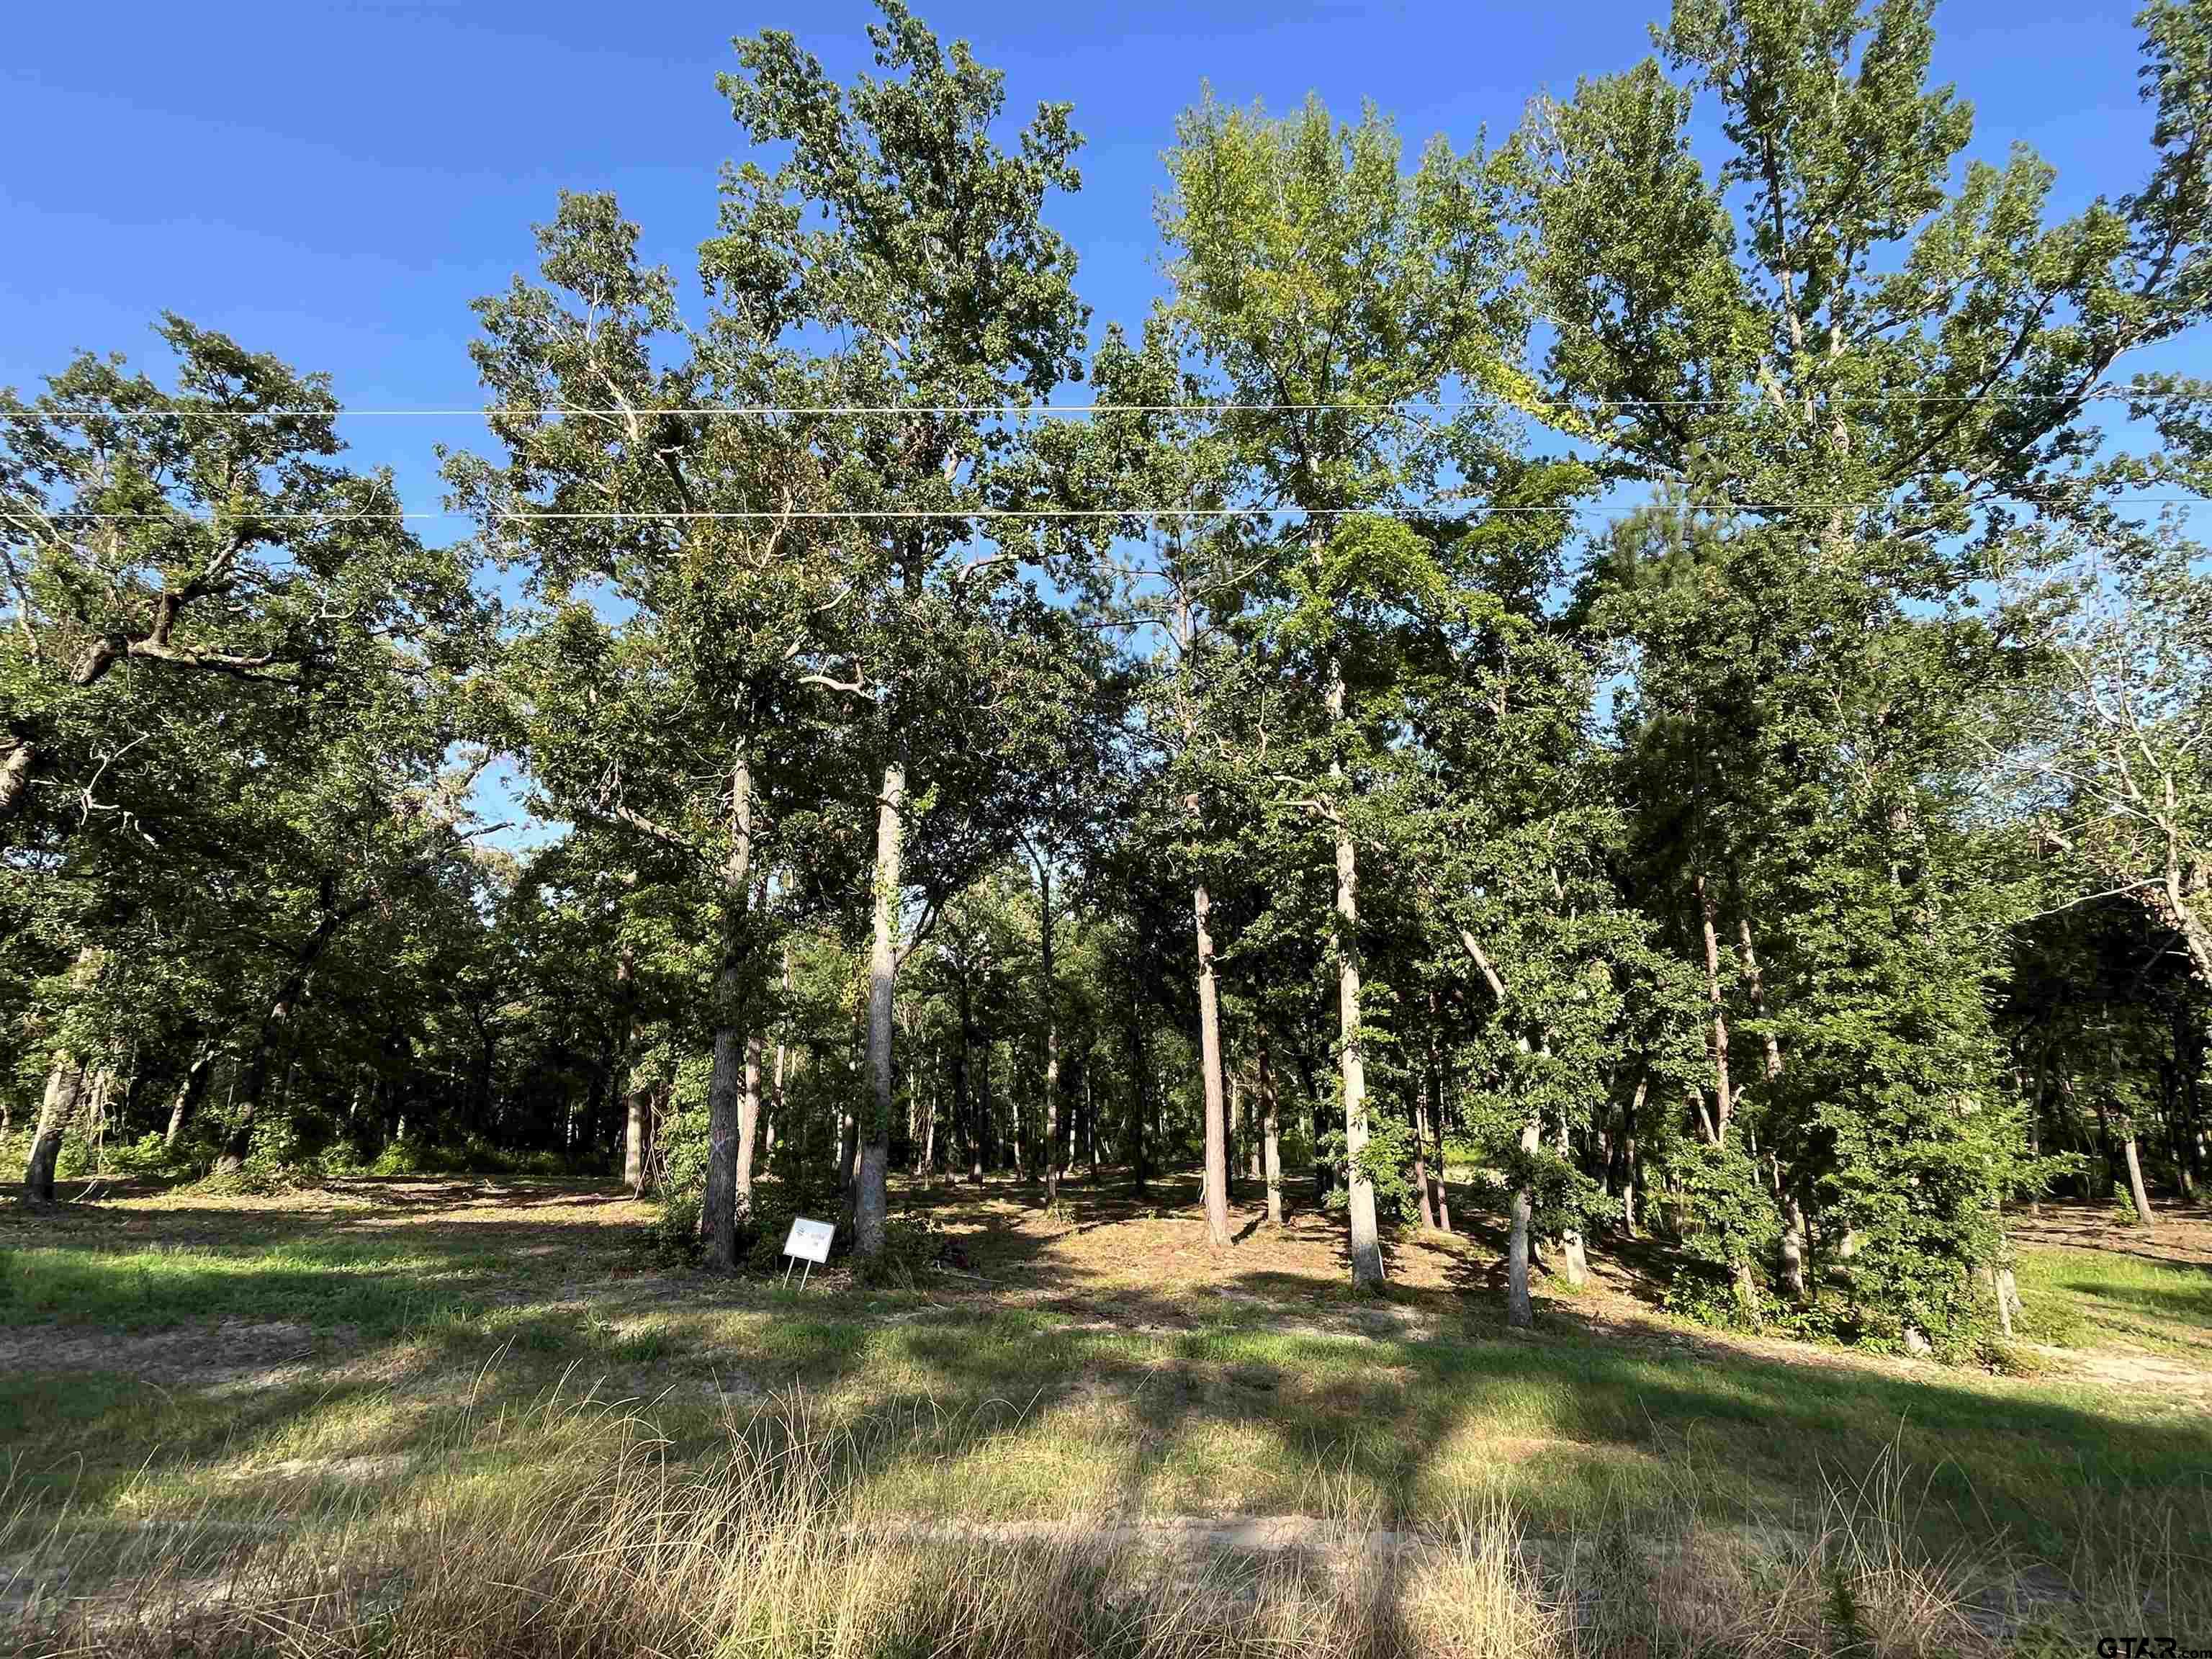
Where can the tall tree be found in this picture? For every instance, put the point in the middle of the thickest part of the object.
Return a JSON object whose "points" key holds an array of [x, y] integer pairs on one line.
{"points": [[681, 584], [897, 226], [1866, 372], [1325, 287]]}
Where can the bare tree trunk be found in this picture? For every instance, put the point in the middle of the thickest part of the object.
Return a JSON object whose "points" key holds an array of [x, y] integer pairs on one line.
{"points": [[872, 1198], [963, 1095], [64, 1080], [1255, 1155], [1270, 1133], [1757, 987], [1052, 1136], [728, 1196], [1519, 1313], [1216, 1186], [1574, 1258], [2136, 1190], [277, 1020], [928, 1159], [1140, 1103], [1359, 1205], [636, 1138], [1567, 1246], [95, 1118], [1420, 1107], [2171, 902], [987, 1117], [190, 1089], [15, 760], [1725, 1098], [1324, 1172], [1237, 1131], [1630, 1173], [1435, 1086], [749, 1111]]}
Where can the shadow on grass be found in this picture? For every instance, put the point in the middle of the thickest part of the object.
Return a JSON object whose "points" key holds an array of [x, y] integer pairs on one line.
{"points": [[1260, 1391]]}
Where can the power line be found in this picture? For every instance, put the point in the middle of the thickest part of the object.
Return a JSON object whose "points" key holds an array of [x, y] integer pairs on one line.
{"points": [[1082, 411], [775, 516]]}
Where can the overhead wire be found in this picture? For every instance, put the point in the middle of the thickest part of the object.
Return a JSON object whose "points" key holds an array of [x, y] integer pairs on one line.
{"points": [[1019, 514], [1081, 411]]}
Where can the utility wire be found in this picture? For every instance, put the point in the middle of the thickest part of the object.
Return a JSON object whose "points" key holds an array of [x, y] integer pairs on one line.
{"points": [[774, 515], [1080, 411]]}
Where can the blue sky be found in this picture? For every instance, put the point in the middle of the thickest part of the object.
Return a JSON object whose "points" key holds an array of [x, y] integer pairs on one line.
{"points": [[334, 182]]}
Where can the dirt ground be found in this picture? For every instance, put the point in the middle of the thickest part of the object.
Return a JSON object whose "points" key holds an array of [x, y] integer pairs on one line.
{"points": [[1110, 1258]]}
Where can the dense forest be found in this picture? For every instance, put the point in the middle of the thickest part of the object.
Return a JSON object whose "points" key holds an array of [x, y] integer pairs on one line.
{"points": [[1658, 664]]}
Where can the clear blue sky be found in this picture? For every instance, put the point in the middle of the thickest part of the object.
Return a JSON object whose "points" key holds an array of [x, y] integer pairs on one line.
{"points": [[333, 182]]}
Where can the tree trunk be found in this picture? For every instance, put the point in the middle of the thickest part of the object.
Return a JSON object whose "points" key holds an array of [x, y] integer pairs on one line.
{"points": [[255, 1084], [1052, 1136], [1366, 1244], [279, 1015], [1324, 1172], [871, 1198], [987, 1117], [1271, 1147], [1216, 1186], [2136, 1190], [64, 1079], [1140, 1102], [1757, 989], [1574, 1258], [636, 1137], [1420, 1110], [928, 1161], [1237, 1131], [1436, 1081], [1793, 1249], [1630, 1172], [749, 1113], [16, 761], [1725, 1099], [728, 1196], [964, 1096], [1519, 1313], [190, 1090], [2173, 905]]}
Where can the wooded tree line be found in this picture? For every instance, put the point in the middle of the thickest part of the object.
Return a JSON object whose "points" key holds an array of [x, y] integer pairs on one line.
{"points": [[1674, 691]]}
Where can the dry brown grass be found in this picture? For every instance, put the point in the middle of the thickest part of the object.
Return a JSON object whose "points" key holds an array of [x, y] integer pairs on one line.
{"points": [[568, 1530]]}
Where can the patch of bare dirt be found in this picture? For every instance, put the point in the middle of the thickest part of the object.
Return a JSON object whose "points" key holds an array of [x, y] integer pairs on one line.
{"points": [[2179, 1233], [197, 1356]]}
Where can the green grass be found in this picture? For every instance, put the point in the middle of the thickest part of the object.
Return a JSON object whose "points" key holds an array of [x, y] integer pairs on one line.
{"points": [[996, 1410], [373, 1287], [2079, 1298]]}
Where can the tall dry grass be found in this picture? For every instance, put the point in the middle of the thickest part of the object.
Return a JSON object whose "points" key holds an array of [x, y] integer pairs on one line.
{"points": [[570, 1531]]}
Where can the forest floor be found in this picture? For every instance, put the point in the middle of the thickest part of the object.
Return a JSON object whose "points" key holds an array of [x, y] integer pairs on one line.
{"points": [[168, 1353]]}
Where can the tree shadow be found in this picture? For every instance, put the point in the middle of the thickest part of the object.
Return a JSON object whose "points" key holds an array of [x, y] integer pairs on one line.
{"points": [[1194, 1377]]}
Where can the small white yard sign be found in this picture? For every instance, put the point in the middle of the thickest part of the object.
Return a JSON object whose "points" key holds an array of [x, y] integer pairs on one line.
{"points": [[807, 1241]]}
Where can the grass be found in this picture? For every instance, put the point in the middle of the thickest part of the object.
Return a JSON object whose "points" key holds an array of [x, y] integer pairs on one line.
{"points": [[369, 1364], [2080, 1299], [566, 1529]]}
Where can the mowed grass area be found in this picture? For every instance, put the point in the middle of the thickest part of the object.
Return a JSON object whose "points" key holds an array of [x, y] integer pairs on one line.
{"points": [[336, 1352]]}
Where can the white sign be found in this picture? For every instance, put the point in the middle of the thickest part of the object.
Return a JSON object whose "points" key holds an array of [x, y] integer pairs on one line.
{"points": [[810, 1240]]}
